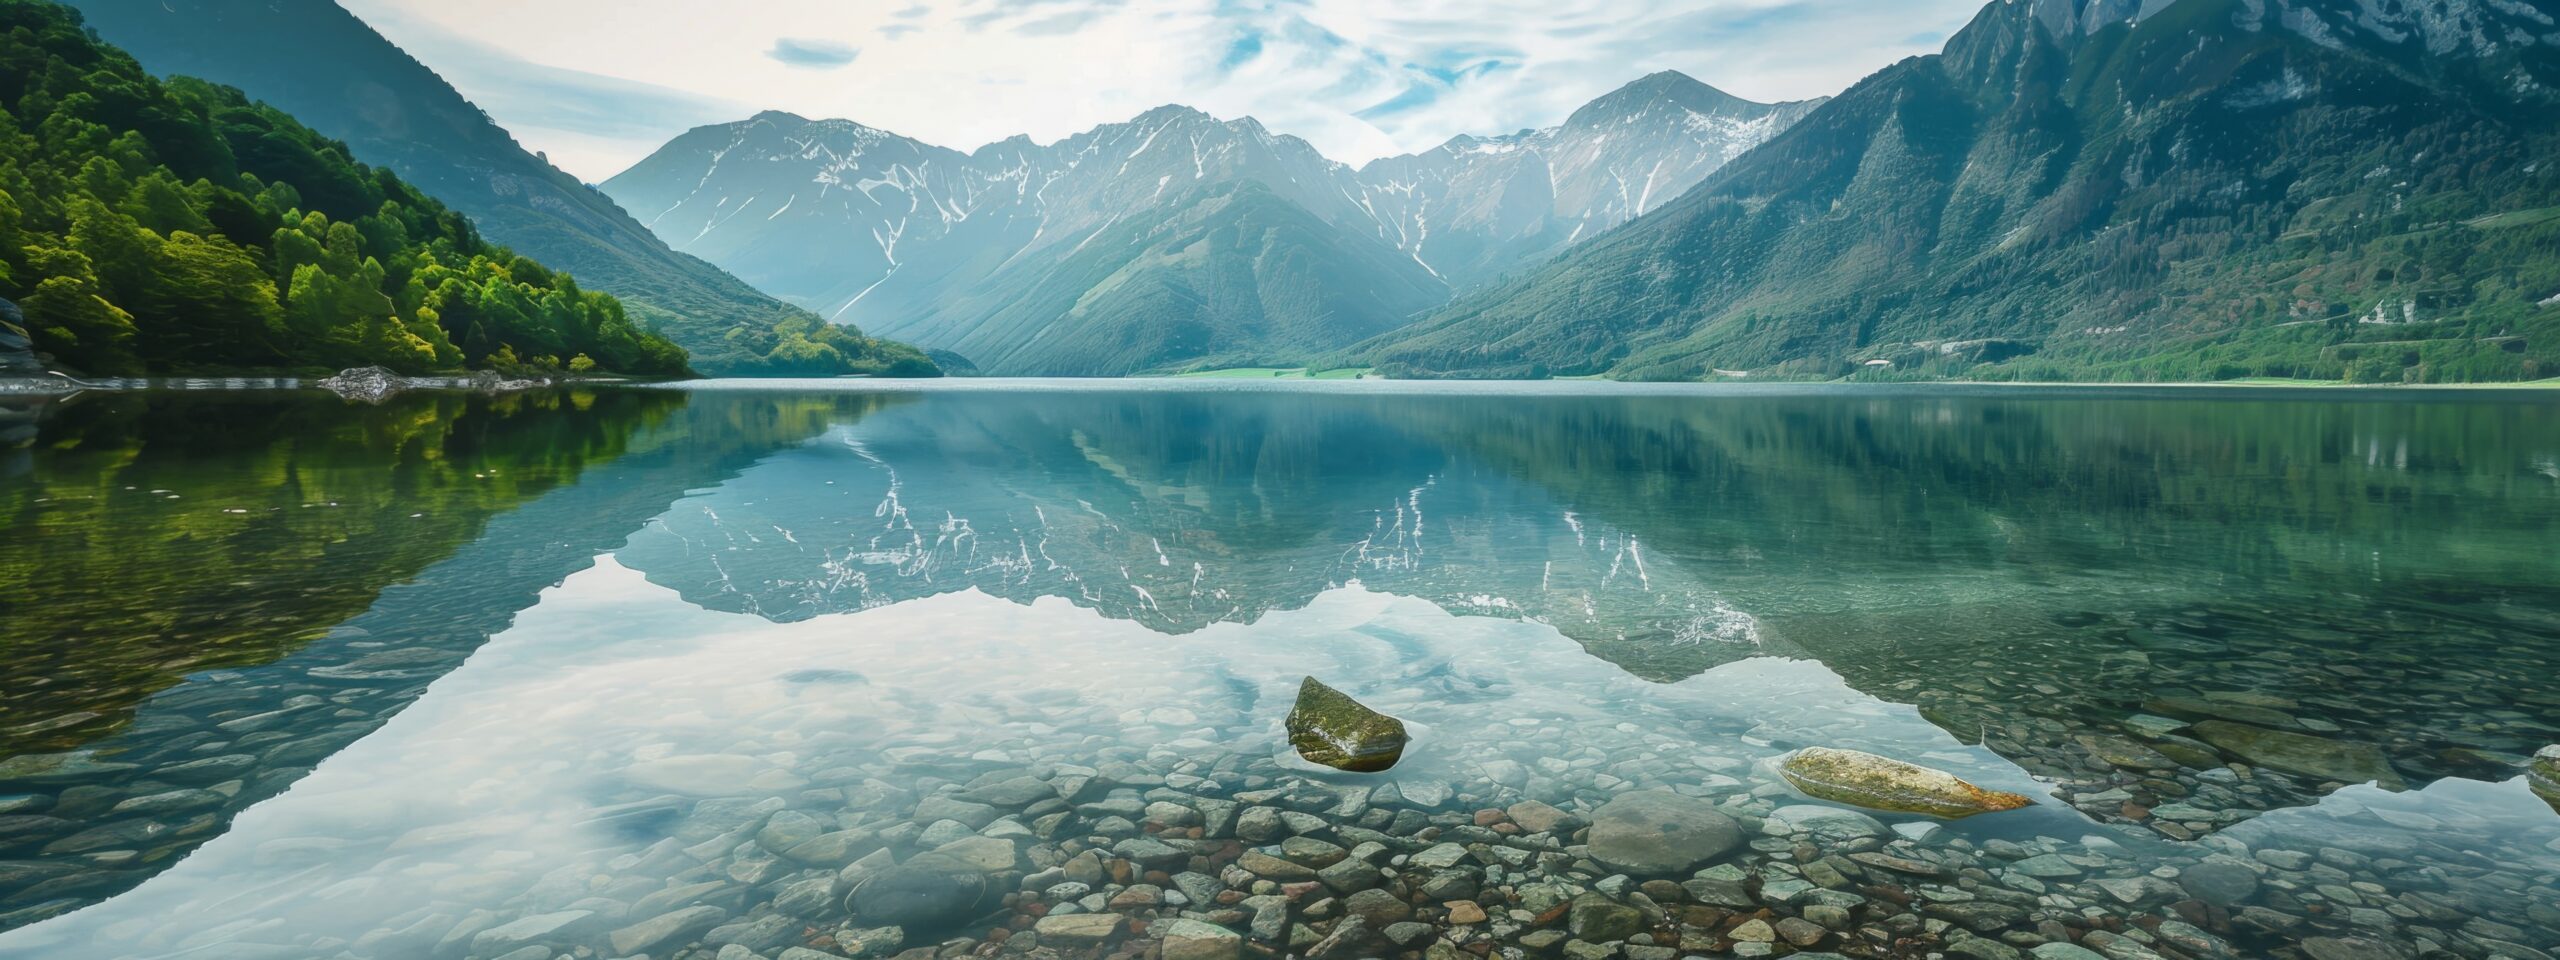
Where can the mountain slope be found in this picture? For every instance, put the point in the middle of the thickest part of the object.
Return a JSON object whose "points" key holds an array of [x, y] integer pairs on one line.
{"points": [[911, 240], [314, 60], [1478, 207], [2214, 188]]}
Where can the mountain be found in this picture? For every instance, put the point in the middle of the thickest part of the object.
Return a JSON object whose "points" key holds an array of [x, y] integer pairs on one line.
{"points": [[989, 252], [316, 61], [2097, 189], [1172, 239], [172, 227], [1478, 207], [1224, 274]]}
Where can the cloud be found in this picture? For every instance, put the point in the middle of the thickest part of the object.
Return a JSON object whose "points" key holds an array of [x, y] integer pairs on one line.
{"points": [[583, 122], [1058, 24], [1357, 78], [814, 54]]}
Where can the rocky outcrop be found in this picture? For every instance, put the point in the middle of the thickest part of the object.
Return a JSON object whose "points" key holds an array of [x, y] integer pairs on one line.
{"points": [[369, 384], [376, 384], [1657, 833], [17, 349], [1330, 728], [1882, 783]]}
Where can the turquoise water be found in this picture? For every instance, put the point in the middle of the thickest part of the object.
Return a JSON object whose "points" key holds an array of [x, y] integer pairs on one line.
{"points": [[291, 677]]}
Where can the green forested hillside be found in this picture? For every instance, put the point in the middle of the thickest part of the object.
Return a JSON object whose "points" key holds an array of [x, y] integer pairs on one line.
{"points": [[2223, 189], [170, 227], [315, 60]]}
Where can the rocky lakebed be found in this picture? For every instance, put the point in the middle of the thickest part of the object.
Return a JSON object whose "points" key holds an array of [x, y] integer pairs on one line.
{"points": [[1104, 802]]}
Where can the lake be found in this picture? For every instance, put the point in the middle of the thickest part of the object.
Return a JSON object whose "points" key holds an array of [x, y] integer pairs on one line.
{"points": [[743, 670]]}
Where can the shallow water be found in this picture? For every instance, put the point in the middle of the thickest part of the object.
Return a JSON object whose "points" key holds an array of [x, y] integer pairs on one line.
{"points": [[295, 678]]}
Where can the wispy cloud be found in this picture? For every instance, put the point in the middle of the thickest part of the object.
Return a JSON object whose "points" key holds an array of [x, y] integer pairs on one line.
{"points": [[1358, 78], [814, 54], [585, 122]]}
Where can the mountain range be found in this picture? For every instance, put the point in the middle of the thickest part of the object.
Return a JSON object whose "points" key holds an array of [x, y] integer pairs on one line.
{"points": [[331, 71], [2069, 189], [1174, 239], [2096, 189]]}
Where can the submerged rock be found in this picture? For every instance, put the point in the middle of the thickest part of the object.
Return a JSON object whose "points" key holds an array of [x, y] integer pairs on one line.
{"points": [[1330, 728], [928, 898], [2544, 775], [1655, 833], [1825, 822], [1078, 929], [1882, 783], [2346, 761], [1185, 939]]}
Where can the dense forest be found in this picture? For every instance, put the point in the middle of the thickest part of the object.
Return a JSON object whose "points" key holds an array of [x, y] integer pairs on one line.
{"points": [[150, 226]]}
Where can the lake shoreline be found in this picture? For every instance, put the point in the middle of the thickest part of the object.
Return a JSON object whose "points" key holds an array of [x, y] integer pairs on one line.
{"points": [[63, 384]]}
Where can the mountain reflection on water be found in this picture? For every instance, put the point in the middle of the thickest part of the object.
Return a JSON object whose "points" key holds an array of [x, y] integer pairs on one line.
{"points": [[2044, 592], [2033, 572]]}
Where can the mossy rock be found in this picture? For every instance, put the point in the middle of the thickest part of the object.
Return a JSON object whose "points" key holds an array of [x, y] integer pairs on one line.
{"points": [[1330, 728], [1882, 783]]}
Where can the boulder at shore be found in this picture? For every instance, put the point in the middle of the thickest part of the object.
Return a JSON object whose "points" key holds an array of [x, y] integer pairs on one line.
{"points": [[1330, 728], [1657, 833], [1882, 783]]}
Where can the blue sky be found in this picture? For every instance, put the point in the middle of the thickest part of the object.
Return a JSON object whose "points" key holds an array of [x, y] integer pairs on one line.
{"points": [[597, 84]]}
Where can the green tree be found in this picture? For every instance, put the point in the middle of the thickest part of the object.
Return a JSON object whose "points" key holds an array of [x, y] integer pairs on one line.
{"points": [[80, 327], [211, 301]]}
